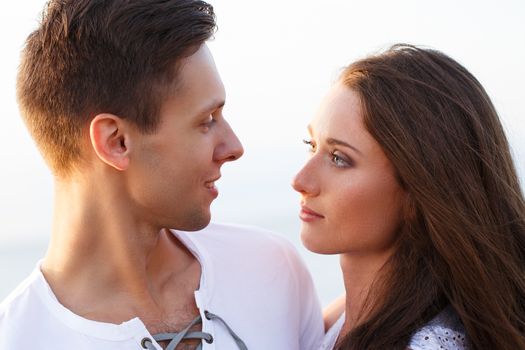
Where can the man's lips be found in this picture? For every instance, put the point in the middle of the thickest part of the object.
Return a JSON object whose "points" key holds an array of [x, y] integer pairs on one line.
{"points": [[210, 185], [309, 215]]}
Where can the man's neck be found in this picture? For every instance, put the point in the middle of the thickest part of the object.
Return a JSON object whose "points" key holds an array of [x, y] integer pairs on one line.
{"points": [[105, 264]]}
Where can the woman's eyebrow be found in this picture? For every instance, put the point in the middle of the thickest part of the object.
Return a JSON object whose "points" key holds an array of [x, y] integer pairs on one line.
{"points": [[332, 141]]}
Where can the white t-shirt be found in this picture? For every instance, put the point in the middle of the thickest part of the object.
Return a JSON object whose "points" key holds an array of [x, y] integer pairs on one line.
{"points": [[443, 332], [254, 280]]}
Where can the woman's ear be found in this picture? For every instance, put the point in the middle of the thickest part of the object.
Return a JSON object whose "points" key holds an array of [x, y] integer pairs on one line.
{"points": [[110, 140]]}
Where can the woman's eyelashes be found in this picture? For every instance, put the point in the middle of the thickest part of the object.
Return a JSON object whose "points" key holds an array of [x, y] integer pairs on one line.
{"points": [[311, 145], [337, 158]]}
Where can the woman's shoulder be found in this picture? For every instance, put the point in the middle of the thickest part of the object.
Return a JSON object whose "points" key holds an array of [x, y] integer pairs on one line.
{"points": [[445, 332], [332, 334]]}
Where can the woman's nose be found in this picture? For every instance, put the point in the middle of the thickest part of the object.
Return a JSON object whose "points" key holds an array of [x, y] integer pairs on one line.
{"points": [[305, 182]]}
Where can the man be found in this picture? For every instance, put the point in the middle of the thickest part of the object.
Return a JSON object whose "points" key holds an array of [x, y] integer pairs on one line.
{"points": [[125, 103]]}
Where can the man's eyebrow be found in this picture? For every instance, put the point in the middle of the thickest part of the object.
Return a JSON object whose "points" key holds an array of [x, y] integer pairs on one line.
{"points": [[332, 141], [214, 105]]}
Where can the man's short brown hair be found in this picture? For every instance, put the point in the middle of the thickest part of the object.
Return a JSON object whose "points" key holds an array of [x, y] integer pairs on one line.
{"points": [[103, 56]]}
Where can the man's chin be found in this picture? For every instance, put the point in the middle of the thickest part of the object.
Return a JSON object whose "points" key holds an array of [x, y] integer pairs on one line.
{"points": [[195, 222], [197, 228]]}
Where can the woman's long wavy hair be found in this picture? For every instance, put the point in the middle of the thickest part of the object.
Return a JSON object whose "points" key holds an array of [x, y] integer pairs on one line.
{"points": [[462, 242]]}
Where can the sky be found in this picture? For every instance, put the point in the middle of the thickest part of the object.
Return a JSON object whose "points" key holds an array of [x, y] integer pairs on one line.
{"points": [[277, 59]]}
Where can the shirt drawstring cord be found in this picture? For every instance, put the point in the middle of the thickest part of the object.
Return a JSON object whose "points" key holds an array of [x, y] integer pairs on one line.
{"points": [[177, 337]]}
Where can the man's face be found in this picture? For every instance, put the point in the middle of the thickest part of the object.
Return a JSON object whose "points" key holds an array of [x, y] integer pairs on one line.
{"points": [[173, 171]]}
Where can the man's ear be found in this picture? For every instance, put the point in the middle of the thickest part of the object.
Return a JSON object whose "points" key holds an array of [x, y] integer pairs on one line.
{"points": [[110, 140]]}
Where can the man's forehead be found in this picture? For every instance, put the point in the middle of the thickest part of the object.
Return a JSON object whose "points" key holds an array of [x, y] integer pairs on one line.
{"points": [[199, 67], [199, 88]]}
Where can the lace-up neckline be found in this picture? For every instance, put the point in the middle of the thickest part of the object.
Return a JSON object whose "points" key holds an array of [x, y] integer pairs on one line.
{"points": [[177, 337]]}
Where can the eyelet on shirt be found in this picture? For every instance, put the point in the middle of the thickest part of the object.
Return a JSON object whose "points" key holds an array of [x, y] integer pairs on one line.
{"points": [[143, 342], [210, 340], [207, 315]]}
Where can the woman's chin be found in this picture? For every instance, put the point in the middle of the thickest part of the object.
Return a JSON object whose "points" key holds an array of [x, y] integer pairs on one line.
{"points": [[316, 244]]}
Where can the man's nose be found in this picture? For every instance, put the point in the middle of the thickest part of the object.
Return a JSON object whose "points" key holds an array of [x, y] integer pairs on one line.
{"points": [[231, 149]]}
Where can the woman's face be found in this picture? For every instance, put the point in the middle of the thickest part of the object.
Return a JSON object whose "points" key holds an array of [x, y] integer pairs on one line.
{"points": [[351, 201]]}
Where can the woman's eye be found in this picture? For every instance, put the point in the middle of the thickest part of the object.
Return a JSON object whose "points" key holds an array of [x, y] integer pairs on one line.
{"points": [[311, 145], [339, 161]]}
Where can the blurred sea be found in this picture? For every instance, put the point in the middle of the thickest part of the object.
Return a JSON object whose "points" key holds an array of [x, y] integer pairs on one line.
{"points": [[17, 260]]}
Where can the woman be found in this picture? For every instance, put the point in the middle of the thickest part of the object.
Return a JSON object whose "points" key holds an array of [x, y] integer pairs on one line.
{"points": [[411, 181]]}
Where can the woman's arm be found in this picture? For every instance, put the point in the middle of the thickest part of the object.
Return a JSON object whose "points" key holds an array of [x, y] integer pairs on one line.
{"points": [[333, 311]]}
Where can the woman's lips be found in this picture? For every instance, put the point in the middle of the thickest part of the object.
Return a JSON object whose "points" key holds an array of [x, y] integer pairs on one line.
{"points": [[308, 215]]}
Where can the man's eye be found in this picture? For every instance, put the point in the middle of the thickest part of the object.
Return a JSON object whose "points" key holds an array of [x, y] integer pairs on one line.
{"points": [[210, 120], [206, 124]]}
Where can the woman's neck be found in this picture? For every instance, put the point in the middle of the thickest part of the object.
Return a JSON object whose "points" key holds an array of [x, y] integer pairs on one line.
{"points": [[360, 273]]}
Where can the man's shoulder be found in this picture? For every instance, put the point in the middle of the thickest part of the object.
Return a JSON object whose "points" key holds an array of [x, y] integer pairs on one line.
{"points": [[20, 294], [227, 244], [251, 264], [18, 308], [244, 238], [230, 231]]}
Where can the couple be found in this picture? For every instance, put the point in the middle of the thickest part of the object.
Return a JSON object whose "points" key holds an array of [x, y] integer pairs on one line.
{"points": [[410, 180]]}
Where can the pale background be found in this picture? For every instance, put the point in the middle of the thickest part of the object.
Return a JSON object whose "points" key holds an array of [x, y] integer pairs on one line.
{"points": [[277, 59]]}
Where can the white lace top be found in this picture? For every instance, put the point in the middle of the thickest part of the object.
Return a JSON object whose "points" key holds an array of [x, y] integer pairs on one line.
{"points": [[444, 332]]}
